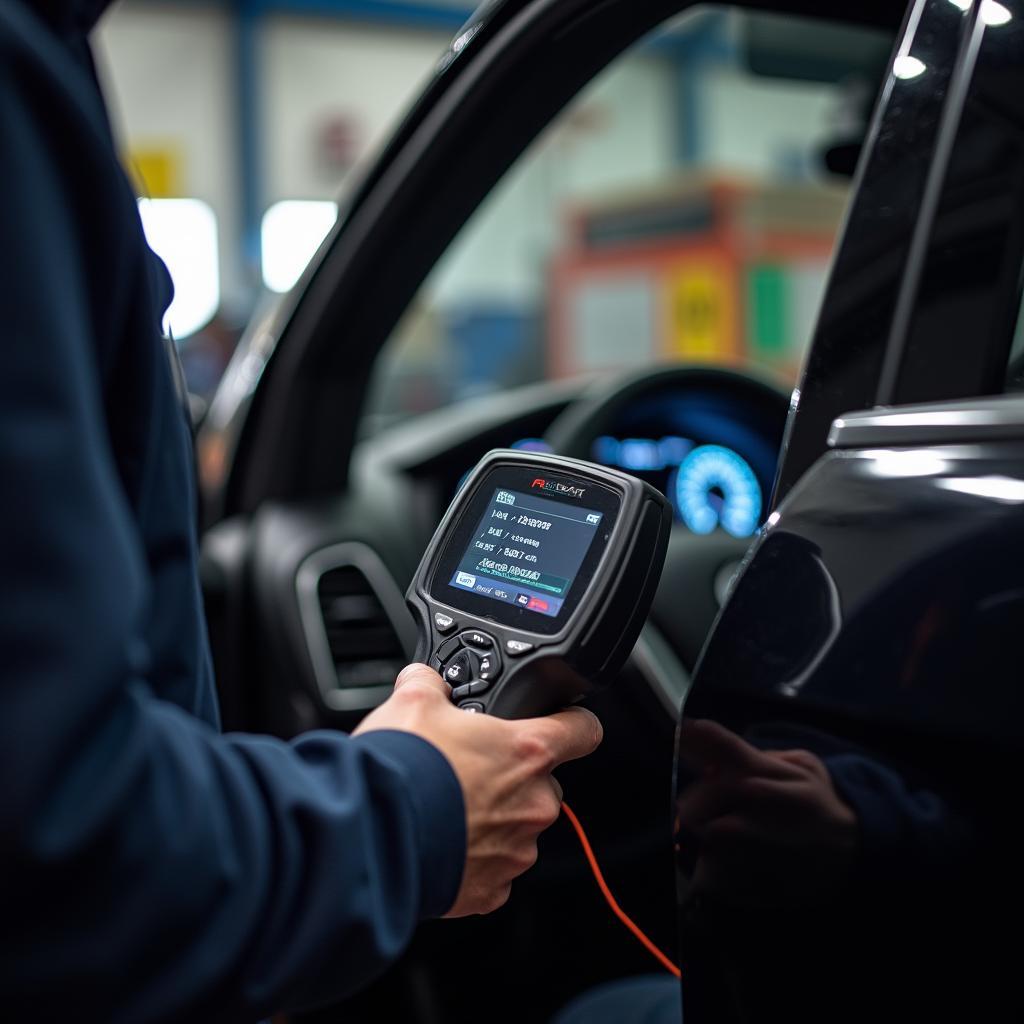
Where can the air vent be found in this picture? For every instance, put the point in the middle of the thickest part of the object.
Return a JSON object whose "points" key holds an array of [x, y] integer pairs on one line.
{"points": [[364, 644], [358, 630]]}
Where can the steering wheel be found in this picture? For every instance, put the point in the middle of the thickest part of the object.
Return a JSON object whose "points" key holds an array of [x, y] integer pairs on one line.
{"points": [[699, 568]]}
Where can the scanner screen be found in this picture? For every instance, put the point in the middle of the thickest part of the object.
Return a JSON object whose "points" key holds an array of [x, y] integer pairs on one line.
{"points": [[526, 550]]}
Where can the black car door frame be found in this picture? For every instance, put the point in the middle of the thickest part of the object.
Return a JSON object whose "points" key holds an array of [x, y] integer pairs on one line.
{"points": [[951, 259]]}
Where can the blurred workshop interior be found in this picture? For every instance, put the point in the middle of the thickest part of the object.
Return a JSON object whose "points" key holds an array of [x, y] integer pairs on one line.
{"points": [[687, 200]]}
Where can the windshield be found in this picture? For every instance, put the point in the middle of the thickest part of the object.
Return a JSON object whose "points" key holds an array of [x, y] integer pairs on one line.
{"points": [[683, 209]]}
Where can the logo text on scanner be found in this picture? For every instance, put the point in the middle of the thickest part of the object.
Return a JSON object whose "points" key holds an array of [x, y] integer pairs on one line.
{"points": [[557, 487]]}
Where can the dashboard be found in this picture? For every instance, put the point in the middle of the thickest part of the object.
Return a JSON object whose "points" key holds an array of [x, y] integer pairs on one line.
{"points": [[711, 453]]}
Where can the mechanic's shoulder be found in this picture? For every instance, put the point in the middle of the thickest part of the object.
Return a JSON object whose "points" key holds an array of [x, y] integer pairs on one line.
{"points": [[35, 62], [23, 40]]}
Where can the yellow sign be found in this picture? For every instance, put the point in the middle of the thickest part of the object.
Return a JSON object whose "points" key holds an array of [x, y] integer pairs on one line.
{"points": [[156, 171], [701, 312]]}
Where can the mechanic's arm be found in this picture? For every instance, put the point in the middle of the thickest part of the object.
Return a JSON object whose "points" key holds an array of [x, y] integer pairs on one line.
{"points": [[786, 826], [150, 868]]}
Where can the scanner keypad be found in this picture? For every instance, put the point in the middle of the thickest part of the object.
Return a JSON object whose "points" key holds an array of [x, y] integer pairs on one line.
{"points": [[459, 669], [469, 663]]}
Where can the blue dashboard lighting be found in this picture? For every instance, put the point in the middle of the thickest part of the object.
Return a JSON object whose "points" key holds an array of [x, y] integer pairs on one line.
{"points": [[674, 449], [637, 453], [715, 487], [606, 450], [641, 454], [531, 444]]}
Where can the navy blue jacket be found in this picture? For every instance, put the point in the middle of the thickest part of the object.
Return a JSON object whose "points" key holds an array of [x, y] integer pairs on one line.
{"points": [[150, 868]]}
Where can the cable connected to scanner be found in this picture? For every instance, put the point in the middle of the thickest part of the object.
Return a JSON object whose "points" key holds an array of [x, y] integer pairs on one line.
{"points": [[607, 893]]}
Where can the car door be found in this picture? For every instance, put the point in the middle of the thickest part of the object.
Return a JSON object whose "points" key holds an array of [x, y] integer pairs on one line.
{"points": [[877, 621]]}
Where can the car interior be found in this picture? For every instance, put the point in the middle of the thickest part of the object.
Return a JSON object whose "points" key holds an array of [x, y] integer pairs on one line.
{"points": [[476, 295]]}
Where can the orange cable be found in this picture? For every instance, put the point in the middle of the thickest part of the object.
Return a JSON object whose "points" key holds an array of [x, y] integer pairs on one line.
{"points": [[607, 893]]}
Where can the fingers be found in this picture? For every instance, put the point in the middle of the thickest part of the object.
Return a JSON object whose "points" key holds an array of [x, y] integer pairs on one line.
{"points": [[803, 759], [566, 735], [705, 802], [417, 675], [710, 747]]}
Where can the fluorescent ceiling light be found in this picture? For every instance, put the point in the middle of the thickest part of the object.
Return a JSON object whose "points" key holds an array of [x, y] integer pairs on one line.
{"points": [[290, 235], [183, 233]]}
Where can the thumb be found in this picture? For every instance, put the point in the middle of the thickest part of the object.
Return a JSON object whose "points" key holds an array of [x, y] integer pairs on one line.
{"points": [[568, 735], [422, 675]]}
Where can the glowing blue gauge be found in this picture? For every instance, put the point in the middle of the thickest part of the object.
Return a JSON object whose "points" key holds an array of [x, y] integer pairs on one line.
{"points": [[715, 487], [531, 444]]}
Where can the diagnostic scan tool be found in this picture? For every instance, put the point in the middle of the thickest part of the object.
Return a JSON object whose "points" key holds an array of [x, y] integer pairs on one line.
{"points": [[537, 582]]}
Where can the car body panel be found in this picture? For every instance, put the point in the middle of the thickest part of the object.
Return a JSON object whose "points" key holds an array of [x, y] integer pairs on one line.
{"points": [[876, 620]]}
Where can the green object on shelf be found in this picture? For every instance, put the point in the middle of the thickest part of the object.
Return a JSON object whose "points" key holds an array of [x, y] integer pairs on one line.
{"points": [[767, 310]]}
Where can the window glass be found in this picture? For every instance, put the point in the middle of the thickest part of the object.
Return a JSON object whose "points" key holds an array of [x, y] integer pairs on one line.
{"points": [[683, 209]]}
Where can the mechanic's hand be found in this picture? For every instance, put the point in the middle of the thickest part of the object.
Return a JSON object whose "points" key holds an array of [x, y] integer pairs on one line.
{"points": [[505, 772], [772, 829]]}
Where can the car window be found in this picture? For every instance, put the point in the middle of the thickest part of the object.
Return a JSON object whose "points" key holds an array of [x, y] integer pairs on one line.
{"points": [[683, 209]]}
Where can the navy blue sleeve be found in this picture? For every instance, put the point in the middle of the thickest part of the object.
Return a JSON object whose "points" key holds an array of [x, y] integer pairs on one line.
{"points": [[910, 837], [151, 869]]}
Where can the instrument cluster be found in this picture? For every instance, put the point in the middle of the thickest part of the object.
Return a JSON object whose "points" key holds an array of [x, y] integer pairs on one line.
{"points": [[712, 455], [709, 454]]}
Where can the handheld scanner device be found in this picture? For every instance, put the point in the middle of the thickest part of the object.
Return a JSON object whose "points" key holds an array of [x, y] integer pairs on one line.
{"points": [[537, 582]]}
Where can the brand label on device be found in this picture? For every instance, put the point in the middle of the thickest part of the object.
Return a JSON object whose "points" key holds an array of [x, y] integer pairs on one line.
{"points": [[558, 487]]}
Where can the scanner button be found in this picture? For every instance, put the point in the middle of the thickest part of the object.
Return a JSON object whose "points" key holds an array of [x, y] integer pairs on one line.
{"points": [[479, 640], [448, 648], [479, 686], [461, 692], [444, 623], [489, 668], [458, 670], [473, 706], [517, 647]]}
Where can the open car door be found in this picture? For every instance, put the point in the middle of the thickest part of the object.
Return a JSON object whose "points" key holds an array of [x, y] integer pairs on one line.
{"points": [[877, 621]]}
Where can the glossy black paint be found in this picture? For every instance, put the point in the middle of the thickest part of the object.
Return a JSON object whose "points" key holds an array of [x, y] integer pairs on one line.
{"points": [[886, 590], [880, 614], [844, 366], [970, 284]]}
